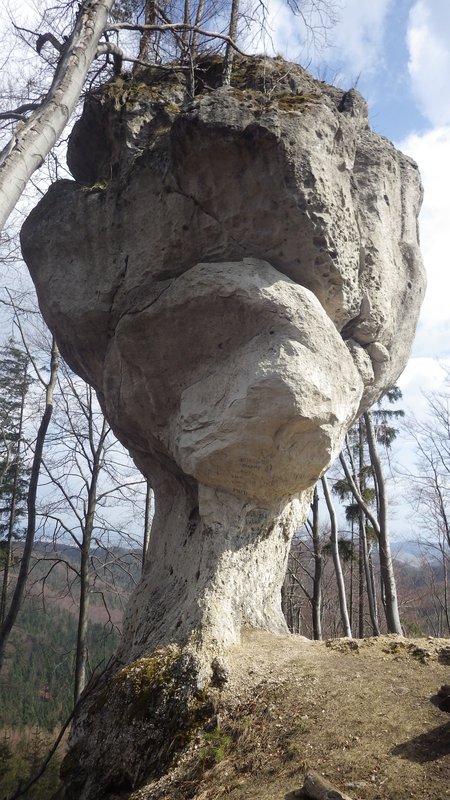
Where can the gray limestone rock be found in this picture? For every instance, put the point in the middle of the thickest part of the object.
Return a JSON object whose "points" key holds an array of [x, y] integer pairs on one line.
{"points": [[238, 276]]}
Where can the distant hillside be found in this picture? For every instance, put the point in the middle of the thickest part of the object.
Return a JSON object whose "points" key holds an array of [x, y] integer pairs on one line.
{"points": [[407, 550], [36, 686]]}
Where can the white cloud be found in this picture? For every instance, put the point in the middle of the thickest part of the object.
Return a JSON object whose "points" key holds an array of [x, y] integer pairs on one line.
{"points": [[358, 37], [355, 41], [431, 150], [275, 31], [428, 40], [421, 375]]}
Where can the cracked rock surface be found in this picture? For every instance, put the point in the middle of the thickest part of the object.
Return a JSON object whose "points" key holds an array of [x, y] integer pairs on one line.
{"points": [[238, 275]]}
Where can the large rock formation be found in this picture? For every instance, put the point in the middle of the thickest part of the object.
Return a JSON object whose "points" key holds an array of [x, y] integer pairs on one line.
{"points": [[238, 276]]}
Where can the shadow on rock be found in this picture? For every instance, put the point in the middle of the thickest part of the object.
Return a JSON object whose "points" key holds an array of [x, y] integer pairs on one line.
{"points": [[428, 746]]}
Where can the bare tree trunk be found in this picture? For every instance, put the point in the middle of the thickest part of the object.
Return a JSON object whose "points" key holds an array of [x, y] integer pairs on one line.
{"points": [[146, 36], [318, 566], [362, 521], [363, 562], [31, 143], [372, 578], [12, 510], [147, 524], [360, 500], [386, 565], [446, 603], [361, 583], [352, 574], [362, 539], [229, 52], [286, 602], [85, 588], [337, 561], [198, 19], [81, 656], [186, 33], [370, 594], [19, 590]]}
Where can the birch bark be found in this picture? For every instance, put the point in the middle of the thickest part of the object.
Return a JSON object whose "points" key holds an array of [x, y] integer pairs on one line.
{"points": [[33, 140]]}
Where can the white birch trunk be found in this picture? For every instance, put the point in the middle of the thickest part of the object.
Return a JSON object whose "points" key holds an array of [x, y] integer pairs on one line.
{"points": [[33, 141], [336, 560], [229, 53], [386, 565]]}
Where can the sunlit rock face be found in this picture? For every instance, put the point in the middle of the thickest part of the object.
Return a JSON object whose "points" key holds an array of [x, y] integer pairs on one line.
{"points": [[238, 276]]}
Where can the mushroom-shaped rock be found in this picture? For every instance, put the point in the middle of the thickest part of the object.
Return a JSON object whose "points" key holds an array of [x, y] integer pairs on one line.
{"points": [[238, 276]]}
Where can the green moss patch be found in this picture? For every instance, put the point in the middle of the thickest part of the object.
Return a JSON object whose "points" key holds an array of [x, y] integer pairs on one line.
{"points": [[145, 683], [216, 747]]}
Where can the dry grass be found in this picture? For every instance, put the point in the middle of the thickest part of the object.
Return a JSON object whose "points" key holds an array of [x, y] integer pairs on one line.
{"points": [[358, 712]]}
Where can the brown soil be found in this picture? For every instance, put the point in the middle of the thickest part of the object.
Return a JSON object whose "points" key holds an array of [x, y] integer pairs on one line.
{"points": [[359, 712]]}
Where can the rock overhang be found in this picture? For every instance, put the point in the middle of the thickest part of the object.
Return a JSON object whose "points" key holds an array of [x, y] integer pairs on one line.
{"points": [[238, 276], [225, 380], [290, 177]]}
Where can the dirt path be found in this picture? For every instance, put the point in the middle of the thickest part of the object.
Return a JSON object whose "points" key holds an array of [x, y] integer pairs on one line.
{"points": [[359, 712]]}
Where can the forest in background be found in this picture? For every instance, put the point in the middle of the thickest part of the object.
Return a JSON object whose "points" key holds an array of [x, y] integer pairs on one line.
{"points": [[36, 684]]}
